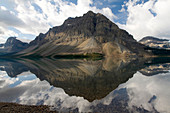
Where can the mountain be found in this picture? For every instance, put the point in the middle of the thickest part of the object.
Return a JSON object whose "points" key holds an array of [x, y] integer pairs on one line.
{"points": [[155, 42], [13, 45], [90, 34], [1, 45]]}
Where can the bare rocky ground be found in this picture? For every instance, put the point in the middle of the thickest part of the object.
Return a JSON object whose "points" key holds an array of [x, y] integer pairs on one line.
{"points": [[17, 108]]}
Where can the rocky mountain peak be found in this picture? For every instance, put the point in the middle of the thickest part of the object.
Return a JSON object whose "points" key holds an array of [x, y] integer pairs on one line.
{"points": [[37, 40], [90, 13], [75, 34], [89, 25]]}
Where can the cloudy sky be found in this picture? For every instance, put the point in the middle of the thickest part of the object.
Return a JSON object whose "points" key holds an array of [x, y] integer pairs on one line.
{"points": [[25, 19]]}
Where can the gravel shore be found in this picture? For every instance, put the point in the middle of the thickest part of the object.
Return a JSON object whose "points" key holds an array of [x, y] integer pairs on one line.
{"points": [[17, 108]]}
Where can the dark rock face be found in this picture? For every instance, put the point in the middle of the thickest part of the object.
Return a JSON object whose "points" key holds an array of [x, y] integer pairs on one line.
{"points": [[14, 45], [91, 33], [37, 40], [155, 42]]}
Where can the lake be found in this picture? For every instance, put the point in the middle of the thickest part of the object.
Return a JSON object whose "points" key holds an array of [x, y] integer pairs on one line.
{"points": [[88, 85]]}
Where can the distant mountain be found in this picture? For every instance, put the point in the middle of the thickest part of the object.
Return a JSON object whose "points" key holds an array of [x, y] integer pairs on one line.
{"points": [[155, 42], [13, 45], [1, 45], [90, 34]]}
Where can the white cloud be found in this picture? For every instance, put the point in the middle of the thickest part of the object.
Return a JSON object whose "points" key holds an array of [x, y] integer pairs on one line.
{"points": [[8, 18], [122, 10], [141, 90], [5, 33], [3, 8], [37, 16], [141, 22], [24, 39]]}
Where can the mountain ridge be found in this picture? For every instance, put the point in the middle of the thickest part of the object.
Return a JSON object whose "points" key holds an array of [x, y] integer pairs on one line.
{"points": [[77, 36]]}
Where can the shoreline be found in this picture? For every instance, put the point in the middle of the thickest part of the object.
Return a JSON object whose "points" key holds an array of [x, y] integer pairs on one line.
{"points": [[6, 107]]}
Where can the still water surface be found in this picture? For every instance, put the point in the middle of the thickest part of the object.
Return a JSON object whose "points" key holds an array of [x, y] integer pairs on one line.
{"points": [[108, 85]]}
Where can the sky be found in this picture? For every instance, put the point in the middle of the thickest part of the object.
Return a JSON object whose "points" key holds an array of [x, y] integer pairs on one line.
{"points": [[25, 19]]}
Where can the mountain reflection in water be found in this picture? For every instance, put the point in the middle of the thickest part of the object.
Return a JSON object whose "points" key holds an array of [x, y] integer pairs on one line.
{"points": [[87, 85]]}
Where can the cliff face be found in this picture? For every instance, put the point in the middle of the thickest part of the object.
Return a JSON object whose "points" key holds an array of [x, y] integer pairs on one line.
{"points": [[91, 33]]}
